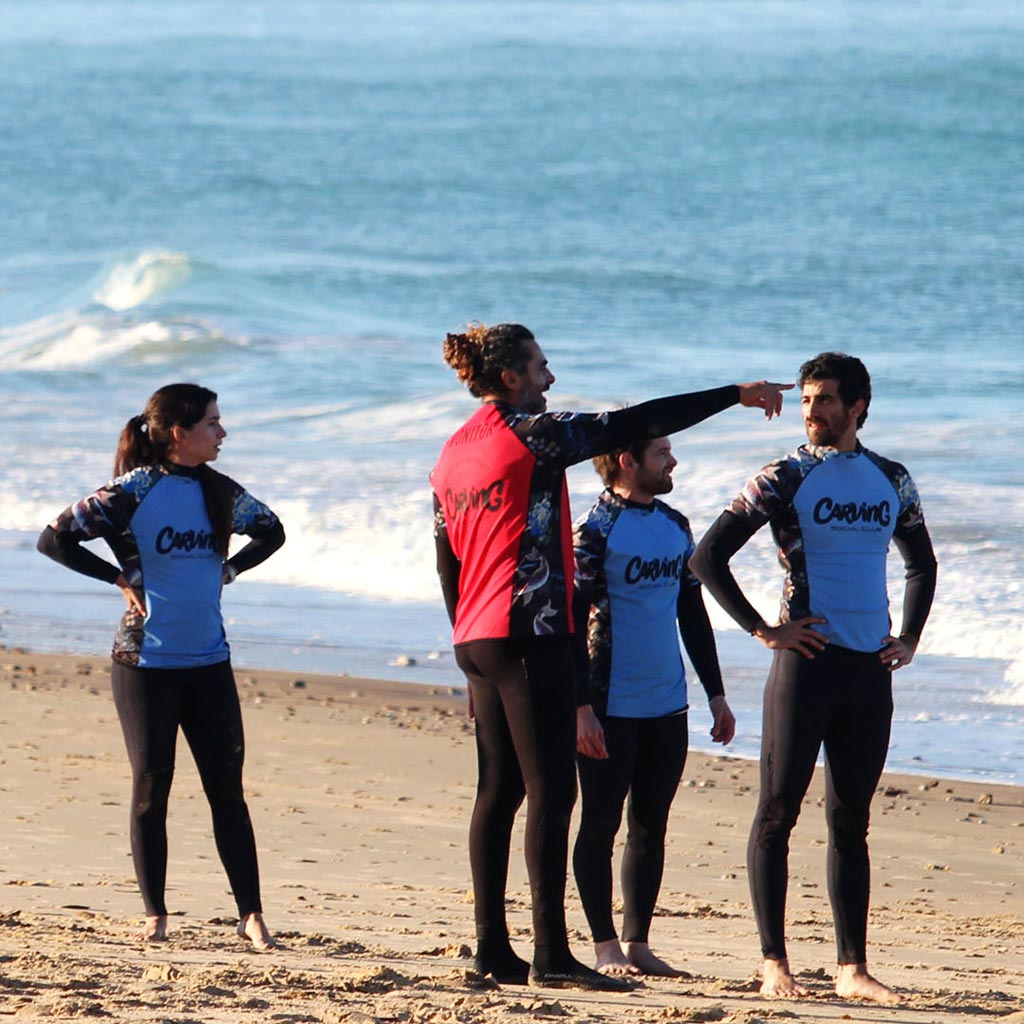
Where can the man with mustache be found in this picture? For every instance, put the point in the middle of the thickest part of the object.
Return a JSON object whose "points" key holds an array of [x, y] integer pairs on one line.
{"points": [[504, 558], [634, 598], [833, 507]]}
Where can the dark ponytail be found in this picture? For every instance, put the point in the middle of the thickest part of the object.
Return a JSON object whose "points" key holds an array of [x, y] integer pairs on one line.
{"points": [[146, 441], [135, 447]]}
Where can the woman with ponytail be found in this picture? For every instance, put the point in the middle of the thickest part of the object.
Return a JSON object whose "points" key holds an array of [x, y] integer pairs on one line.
{"points": [[167, 516]]}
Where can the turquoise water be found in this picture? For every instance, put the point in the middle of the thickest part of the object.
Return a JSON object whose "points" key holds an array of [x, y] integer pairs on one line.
{"points": [[294, 203]]}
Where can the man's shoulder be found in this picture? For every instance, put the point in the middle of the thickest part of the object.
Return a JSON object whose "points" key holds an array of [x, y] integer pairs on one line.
{"points": [[801, 459], [775, 485], [673, 515], [891, 468], [790, 469], [599, 519], [903, 484]]}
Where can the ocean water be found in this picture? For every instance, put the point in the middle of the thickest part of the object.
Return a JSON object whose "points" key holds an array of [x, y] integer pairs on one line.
{"points": [[293, 203]]}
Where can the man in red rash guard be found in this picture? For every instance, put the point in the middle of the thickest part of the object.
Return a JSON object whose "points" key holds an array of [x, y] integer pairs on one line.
{"points": [[504, 553]]}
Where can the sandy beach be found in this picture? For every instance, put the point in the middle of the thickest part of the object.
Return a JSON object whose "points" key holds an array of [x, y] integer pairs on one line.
{"points": [[360, 793]]}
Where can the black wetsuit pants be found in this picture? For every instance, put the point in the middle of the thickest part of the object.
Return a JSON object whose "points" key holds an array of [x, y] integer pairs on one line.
{"points": [[152, 703], [526, 742], [842, 699], [646, 757]]}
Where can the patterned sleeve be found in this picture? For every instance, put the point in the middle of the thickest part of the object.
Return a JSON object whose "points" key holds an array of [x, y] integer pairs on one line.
{"points": [[912, 539], [590, 539], [591, 612], [249, 516], [440, 522], [572, 437], [911, 516], [769, 490], [764, 495], [253, 519], [449, 568], [563, 438], [106, 512]]}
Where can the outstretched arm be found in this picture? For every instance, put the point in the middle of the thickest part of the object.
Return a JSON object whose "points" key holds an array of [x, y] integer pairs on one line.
{"points": [[661, 416], [574, 437]]}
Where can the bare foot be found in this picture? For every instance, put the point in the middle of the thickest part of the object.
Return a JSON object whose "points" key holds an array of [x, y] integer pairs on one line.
{"points": [[779, 982], [640, 956], [253, 928], [154, 929], [611, 959], [854, 982]]}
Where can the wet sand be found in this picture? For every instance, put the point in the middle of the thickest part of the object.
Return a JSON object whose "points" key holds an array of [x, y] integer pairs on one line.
{"points": [[360, 793]]}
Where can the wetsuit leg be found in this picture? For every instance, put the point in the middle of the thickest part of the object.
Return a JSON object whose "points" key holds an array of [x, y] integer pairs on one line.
{"points": [[499, 794], [603, 785], [661, 755], [533, 681], [796, 711], [856, 745], [211, 720], [147, 702]]}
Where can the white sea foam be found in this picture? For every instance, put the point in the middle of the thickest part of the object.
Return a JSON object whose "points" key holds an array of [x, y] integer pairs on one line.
{"points": [[139, 280], [1014, 694], [26, 513], [89, 340], [375, 551], [21, 344], [90, 345]]}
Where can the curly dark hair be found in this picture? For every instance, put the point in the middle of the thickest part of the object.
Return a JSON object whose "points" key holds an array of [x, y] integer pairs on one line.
{"points": [[480, 354], [852, 375]]}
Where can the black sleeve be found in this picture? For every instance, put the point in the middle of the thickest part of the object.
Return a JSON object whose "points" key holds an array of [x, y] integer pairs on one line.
{"points": [[581, 655], [922, 573], [699, 639], [259, 549], [66, 548], [662, 416], [448, 566], [570, 438], [710, 562]]}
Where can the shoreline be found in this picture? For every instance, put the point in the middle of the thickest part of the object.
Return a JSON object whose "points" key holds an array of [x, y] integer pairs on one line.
{"points": [[425, 667], [360, 792]]}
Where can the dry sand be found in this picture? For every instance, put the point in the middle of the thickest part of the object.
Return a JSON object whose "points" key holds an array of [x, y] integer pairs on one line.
{"points": [[360, 792]]}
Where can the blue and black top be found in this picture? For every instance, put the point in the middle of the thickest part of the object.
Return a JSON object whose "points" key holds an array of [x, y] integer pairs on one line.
{"points": [[635, 596], [155, 521]]}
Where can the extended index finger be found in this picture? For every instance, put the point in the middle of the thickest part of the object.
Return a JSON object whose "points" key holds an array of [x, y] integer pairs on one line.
{"points": [[773, 407]]}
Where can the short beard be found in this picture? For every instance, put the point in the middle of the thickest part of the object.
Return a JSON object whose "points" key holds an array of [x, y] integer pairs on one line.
{"points": [[827, 437]]}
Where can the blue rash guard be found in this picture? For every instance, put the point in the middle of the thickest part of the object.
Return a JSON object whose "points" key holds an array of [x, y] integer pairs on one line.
{"points": [[155, 521], [637, 593], [833, 515]]}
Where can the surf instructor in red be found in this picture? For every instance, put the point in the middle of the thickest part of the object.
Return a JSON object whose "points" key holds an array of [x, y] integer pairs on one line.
{"points": [[504, 554]]}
